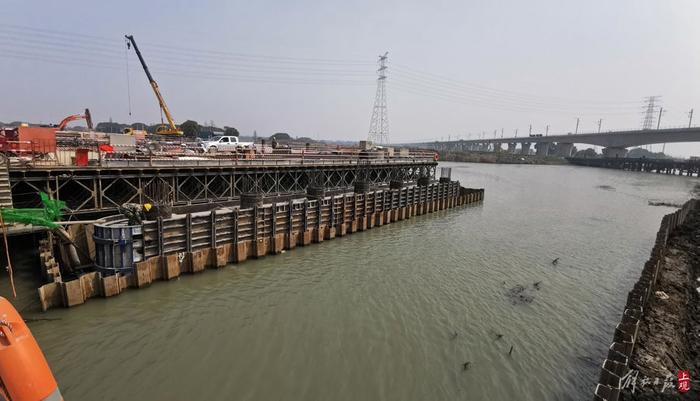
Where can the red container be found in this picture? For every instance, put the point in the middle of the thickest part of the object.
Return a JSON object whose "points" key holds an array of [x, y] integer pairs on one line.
{"points": [[81, 157]]}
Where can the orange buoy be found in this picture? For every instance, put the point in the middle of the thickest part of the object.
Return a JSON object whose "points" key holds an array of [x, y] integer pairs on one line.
{"points": [[24, 372]]}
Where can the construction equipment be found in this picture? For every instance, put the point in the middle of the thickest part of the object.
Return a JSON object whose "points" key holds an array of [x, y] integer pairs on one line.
{"points": [[87, 117], [39, 141], [171, 128]]}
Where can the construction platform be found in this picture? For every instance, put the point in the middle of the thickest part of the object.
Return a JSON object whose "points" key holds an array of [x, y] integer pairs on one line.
{"points": [[99, 188]]}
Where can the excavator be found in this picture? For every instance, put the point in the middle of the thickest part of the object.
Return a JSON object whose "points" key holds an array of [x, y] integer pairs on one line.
{"points": [[36, 140], [171, 128], [87, 117]]}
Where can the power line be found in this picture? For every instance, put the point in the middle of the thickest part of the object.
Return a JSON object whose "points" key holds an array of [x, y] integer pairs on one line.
{"points": [[516, 105], [425, 91], [92, 51], [28, 31], [98, 44], [62, 49], [188, 74], [434, 77]]}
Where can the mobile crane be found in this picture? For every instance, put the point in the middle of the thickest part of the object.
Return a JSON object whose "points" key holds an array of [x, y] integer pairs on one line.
{"points": [[171, 128]]}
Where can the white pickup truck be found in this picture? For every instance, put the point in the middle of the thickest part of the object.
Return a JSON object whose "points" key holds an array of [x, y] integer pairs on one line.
{"points": [[224, 144]]}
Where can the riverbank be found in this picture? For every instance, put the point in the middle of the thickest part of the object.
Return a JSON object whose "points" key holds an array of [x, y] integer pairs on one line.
{"points": [[655, 351], [669, 333], [499, 158]]}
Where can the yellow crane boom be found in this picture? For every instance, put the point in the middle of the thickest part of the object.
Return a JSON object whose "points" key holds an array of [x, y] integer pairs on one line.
{"points": [[171, 128]]}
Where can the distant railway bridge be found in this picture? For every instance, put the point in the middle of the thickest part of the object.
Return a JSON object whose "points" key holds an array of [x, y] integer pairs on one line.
{"points": [[614, 144]]}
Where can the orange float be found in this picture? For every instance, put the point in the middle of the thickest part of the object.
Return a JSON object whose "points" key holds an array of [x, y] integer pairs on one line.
{"points": [[24, 373]]}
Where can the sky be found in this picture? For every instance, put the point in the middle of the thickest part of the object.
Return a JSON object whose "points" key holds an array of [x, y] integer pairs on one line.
{"points": [[457, 69]]}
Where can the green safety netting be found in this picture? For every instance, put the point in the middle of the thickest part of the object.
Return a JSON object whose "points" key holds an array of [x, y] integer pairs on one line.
{"points": [[38, 217]]}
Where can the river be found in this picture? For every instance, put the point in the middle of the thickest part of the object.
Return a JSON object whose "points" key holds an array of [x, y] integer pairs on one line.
{"points": [[373, 316]]}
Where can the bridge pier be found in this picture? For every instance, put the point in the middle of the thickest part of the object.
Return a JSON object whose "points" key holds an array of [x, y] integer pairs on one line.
{"points": [[564, 149], [614, 152], [525, 148], [511, 147], [496, 147], [542, 148]]}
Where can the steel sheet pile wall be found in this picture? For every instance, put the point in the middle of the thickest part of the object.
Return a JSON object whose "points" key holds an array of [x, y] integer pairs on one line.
{"points": [[190, 243], [616, 365]]}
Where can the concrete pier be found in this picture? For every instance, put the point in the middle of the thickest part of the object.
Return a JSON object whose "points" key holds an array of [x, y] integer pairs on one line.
{"points": [[542, 148], [525, 148], [564, 149]]}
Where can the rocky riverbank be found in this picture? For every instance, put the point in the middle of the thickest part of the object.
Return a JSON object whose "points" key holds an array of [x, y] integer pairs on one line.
{"points": [[499, 158], [669, 333]]}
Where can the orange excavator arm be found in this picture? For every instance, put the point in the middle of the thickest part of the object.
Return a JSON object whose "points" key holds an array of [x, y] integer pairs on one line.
{"points": [[74, 117]]}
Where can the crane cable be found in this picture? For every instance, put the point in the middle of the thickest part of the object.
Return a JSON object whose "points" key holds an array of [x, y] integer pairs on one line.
{"points": [[126, 59]]}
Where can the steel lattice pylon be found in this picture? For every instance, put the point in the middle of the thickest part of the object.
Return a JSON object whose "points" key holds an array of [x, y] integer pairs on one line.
{"points": [[650, 111], [379, 123]]}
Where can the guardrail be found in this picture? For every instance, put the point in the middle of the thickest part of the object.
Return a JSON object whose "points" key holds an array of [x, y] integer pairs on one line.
{"points": [[93, 154]]}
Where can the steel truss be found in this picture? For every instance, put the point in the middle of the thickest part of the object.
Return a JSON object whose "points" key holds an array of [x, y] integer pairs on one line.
{"points": [[90, 191]]}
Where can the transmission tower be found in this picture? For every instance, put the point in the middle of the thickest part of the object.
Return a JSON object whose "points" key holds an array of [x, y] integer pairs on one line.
{"points": [[379, 124], [650, 111]]}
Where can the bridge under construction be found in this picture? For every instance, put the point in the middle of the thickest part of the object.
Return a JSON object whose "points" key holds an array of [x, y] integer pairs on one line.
{"points": [[99, 189]]}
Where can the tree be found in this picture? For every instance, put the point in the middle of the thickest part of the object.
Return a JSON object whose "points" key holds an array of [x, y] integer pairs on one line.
{"points": [[110, 127], [641, 152], [139, 126], [230, 131], [281, 137], [588, 153], [190, 128]]}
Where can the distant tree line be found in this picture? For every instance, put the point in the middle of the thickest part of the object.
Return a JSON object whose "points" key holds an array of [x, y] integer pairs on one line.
{"points": [[190, 129]]}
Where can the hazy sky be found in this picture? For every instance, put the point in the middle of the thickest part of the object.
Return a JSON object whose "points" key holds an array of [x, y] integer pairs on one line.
{"points": [[308, 67]]}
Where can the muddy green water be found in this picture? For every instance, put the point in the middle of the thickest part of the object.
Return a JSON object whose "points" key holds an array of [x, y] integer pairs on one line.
{"points": [[371, 316]]}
